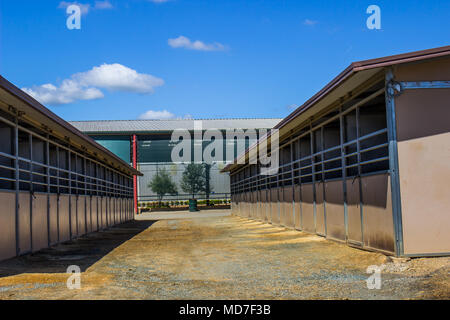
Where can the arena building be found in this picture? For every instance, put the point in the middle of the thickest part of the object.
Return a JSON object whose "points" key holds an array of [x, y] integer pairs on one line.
{"points": [[148, 146]]}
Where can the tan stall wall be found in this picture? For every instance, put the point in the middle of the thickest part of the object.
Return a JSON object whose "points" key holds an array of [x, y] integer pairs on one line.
{"points": [[274, 208], [81, 215], [264, 205], [103, 213], [239, 209], [64, 216], [334, 196], [308, 208], [378, 224], [73, 216], [53, 218], [253, 205], [436, 69], [24, 222], [244, 205], [88, 214], [354, 212], [39, 222], [288, 207], [94, 213], [423, 133], [320, 210], [281, 207], [7, 225], [238, 204], [260, 205], [297, 208], [45, 220]]}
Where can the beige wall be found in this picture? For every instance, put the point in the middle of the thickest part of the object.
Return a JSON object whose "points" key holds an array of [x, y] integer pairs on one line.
{"points": [[423, 130], [7, 225]]}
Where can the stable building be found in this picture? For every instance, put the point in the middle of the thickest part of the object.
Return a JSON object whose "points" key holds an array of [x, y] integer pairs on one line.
{"points": [[365, 161], [56, 183]]}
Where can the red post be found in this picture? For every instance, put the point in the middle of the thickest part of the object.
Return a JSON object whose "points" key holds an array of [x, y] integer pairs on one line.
{"points": [[135, 177]]}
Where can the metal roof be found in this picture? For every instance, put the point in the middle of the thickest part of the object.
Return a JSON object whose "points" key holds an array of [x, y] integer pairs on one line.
{"points": [[148, 126]]}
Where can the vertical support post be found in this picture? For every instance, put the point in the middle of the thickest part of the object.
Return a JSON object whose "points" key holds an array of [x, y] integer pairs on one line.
{"points": [[292, 182], [76, 193], [358, 150], [278, 188], [313, 172], [47, 160], [393, 163], [85, 196], [30, 141], [344, 171], [300, 198], [135, 177], [322, 165], [70, 189], [58, 173], [16, 153], [97, 193]]}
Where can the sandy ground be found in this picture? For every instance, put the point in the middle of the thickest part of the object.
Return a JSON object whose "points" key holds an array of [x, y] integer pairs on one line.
{"points": [[213, 255]]}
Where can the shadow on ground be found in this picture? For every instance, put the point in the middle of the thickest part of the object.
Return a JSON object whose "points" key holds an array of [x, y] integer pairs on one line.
{"points": [[83, 251]]}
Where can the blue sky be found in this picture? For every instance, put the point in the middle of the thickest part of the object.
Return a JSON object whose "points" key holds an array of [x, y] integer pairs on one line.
{"points": [[253, 58]]}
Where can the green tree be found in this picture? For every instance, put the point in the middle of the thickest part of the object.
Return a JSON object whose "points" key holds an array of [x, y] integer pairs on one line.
{"points": [[194, 180], [162, 184]]}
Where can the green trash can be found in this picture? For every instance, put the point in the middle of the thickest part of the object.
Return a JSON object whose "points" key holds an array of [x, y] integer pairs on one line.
{"points": [[193, 205]]}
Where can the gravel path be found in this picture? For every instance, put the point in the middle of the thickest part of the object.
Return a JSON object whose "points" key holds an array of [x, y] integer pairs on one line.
{"points": [[213, 255]]}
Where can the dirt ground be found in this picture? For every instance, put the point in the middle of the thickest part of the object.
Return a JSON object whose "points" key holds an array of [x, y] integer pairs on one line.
{"points": [[212, 255]]}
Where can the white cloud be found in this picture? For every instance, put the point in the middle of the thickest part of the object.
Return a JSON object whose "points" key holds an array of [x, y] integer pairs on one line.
{"points": [[184, 42], [157, 115], [116, 77], [68, 92], [83, 6], [158, 1], [162, 115], [85, 85], [102, 5], [309, 22]]}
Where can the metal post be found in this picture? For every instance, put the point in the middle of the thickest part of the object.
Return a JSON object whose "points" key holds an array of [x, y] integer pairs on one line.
{"points": [[16, 151], [393, 164], [47, 145], [135, 177], [300, 183], [69, 182], [322, 165], [30, 141], [313, 171], [292, 183], [58, 172], [343, 170], [76, 194], [358, 150]]}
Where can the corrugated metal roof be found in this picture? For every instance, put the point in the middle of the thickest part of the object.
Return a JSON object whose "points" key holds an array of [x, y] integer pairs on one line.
{"points": [[144, 126]]}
